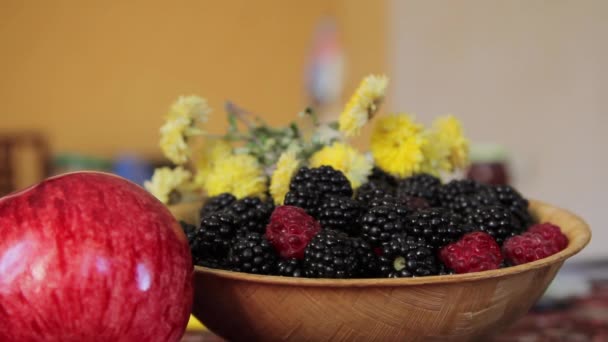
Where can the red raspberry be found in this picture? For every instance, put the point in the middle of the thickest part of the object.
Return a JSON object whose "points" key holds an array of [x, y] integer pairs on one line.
{"points": [[550, 232], [474, 252], [290, 229], [540, 241]]}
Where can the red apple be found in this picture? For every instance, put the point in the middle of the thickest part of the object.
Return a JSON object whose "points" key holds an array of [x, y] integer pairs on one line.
{"points": [[89, 256]]}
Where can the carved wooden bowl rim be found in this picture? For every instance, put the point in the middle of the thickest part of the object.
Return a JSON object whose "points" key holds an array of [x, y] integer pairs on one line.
{"points": [[574, 227]]}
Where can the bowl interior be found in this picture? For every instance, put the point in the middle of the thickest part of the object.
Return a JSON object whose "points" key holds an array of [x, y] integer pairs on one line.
{"points": [[574, 228]]}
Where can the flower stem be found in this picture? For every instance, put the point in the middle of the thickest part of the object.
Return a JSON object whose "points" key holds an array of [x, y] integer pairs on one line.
{"points": [[240, 113]]}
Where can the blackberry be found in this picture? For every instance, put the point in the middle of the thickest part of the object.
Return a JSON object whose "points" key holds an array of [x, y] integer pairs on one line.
{"points": [[340, 213], [217, 203], [252, 253], [368, 260], [190, 230], [309, 186], [211, 263], [494, 220], [438, 226], [330, 254], [369, 191], [251, 214], [305, 199], [408, 202], [508, 197], [289, 268], [405, 256], [415, 203], [421, 185], [382, 178], [458, 187], [379, 223], [386, 200], [214, 236], [495, 195], [444, 270]]}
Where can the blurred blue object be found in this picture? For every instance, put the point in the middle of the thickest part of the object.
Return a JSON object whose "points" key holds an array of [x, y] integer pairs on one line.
{"points": [[133, 168]]}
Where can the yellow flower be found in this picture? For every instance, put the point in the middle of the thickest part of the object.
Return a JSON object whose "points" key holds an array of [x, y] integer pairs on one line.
{"points": [[355, 166], [279, 182], [363, 104], [449, 133], [240, 175], [173, 141], [192, 108], [165, 180], [435, 153], [213, 151], [183, 116], [397, 145]]}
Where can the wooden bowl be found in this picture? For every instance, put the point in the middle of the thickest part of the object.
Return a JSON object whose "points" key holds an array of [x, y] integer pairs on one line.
{"points": [[239, 306]]}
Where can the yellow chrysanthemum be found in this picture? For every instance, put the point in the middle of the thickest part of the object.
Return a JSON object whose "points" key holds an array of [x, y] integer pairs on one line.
{"points": [[173, 141], [449, 132], [355, 166], [240, 175], [192, 108], [212, 152], [166, 180], [363, 104], [183, 116], [397, 145], [435, 153], [279, 182]]}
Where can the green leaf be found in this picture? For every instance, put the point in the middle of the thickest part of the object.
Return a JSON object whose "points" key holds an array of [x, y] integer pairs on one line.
{"points": [[232, 123]]}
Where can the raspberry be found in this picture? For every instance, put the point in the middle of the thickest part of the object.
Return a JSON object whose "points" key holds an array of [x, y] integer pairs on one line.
{"points": [[474, 252], [541, 241], [290, 229], [550, 232]]}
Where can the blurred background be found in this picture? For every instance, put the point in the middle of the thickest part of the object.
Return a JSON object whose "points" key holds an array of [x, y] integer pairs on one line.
{"points": [[86, 84]]}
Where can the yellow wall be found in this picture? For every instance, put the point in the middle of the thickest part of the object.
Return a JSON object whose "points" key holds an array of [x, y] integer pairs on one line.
{"points": [[97, 77]]}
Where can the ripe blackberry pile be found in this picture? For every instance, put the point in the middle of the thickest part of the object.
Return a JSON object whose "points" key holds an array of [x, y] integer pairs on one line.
{"points": [[388, 227]]}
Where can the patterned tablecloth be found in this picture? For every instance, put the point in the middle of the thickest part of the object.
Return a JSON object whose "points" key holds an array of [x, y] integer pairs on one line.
{"points": [[583, 317]]}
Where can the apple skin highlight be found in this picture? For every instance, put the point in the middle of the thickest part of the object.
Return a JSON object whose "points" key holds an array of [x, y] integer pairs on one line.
{"points": [[89, 256]]}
